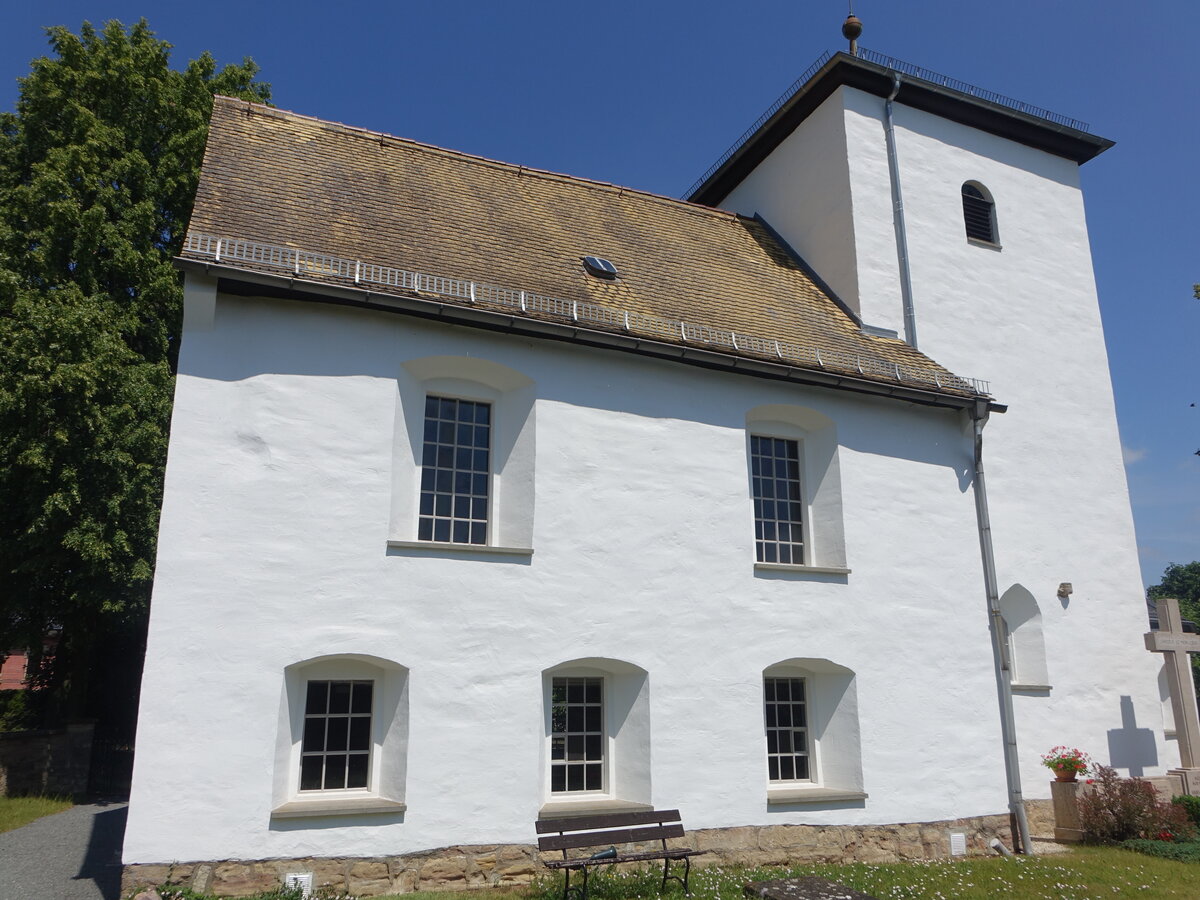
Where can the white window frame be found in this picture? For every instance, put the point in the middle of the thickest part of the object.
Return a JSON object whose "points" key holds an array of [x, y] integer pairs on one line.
{"points": [[605, 748], [833, 734], [325, 717], [625, 692], [806, 510], [512, 452], [489, 517], [820, 485], [810, 745], [387, 762]]}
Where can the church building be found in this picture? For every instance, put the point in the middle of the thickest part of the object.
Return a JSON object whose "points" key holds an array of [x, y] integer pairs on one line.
{"points": [[495, 494]]}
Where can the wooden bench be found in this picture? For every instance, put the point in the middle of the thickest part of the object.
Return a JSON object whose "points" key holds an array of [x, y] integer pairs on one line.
{"points": [[609, 831]]}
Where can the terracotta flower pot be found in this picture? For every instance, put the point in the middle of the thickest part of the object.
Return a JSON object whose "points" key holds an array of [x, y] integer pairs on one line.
{"points": [[1066, 775]]}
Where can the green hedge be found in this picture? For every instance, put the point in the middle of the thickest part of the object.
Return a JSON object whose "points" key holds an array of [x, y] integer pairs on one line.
{"points": [[1184, 851]]}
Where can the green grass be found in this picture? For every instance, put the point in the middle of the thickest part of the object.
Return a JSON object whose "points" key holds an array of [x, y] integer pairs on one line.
{"points": [[1082, 874], [18, 811]]}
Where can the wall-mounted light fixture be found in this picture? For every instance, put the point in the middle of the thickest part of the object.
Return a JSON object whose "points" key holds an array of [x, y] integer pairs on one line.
{"points": [[1065, 590]]}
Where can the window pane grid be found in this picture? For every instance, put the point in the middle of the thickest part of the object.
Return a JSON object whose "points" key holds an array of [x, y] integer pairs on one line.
{"points": [[787, 729], [778, 501], [336, 749], [576, 735], [455, 466]]}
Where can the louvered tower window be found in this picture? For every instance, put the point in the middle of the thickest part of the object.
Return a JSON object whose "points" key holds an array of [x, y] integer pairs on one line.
{"points": [[979, 214]]}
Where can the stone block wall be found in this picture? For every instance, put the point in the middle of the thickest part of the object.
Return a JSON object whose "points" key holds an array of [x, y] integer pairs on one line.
{"points": [[55, 762], [462, 867]]}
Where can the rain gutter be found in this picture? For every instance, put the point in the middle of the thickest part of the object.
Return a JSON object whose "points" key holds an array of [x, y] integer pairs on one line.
{"points": [[245, 282], [1000, 655]]}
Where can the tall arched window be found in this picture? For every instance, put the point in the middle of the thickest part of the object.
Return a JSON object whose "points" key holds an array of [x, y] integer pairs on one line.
{"points": [[1026, 647], [795, 488], [597, 736], [979, 213], [342, 740], [464, 456], [813, 747]]}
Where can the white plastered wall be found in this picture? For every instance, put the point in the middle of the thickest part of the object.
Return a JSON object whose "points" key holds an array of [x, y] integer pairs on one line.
{"points": [[273, 550], [801, 191], [1025, 317]]}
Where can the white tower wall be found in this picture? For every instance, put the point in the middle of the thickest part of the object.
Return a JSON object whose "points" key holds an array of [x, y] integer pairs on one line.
{"points": [[1023, 315]]}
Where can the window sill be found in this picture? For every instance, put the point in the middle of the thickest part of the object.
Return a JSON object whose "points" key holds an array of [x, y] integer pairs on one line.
{"points": [[438, 548], [977, 242], [563, 809], [811, 795], [800, 570], [1030, 688], [337, 806]]}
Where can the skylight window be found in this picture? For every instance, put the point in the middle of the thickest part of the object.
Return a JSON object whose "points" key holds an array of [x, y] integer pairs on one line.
{"points": [[599, 267]]}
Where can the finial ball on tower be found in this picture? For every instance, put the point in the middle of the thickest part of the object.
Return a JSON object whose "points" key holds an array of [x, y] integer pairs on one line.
{"points": [[852, 28]]}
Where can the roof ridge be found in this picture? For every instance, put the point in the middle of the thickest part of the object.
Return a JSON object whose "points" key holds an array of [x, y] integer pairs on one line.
{"points": [[476, 159]]}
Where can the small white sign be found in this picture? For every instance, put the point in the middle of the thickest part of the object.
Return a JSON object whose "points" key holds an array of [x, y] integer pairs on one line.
{"points": [[958, 843], [302, 880]]}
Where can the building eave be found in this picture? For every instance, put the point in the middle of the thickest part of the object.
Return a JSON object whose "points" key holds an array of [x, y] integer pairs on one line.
{"points": [[244, 282]]}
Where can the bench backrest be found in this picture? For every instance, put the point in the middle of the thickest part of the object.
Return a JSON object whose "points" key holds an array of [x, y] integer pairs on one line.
{"points": [[611, 828]]}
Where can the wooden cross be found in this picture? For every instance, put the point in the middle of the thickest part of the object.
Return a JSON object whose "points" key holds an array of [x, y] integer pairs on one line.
{"points": [[1175, 644]]}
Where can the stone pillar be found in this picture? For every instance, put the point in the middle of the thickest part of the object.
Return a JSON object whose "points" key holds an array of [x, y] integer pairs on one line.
{"points": [[1065, 795]]}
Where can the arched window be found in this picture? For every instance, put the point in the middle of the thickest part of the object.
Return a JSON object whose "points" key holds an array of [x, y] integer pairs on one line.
{"points": [[1026, 647], [810, 715], [597, 735], [342, 739], [979, 213], [795, 488], [464, 456]]}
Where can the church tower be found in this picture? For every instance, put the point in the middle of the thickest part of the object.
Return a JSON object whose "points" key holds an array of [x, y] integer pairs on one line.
{"points": [[952, 218]]}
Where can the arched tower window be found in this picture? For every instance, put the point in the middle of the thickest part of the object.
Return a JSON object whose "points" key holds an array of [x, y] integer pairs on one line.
{"points": [[979, 213], [1026, 646]]}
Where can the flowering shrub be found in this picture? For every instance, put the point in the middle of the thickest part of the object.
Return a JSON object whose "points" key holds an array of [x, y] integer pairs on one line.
{"points": [[1066, 759], [1120, 809], [1190, 805]]}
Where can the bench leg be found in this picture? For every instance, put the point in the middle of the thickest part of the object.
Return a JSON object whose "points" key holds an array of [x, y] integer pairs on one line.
{"points": [[581, 892], [667, 876]]}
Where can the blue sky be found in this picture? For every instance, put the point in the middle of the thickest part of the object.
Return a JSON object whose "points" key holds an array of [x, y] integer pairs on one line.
{"points": [[648, 94]]}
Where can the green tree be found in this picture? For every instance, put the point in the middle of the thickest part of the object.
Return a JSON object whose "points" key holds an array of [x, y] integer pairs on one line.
{"points": [[1182, 581], [98, 168]]}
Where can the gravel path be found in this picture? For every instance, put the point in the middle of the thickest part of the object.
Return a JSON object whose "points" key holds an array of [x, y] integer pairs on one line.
{"points": [[72, 855]]}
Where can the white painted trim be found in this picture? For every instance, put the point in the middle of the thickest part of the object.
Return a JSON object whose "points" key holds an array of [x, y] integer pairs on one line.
{"points": [[562, 809], [337, 806], [456, 549], [801, 570], [811, 795]]}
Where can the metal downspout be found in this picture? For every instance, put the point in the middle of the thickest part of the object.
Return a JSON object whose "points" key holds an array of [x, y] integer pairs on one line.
{"points": [[1003, 665], [910, 318]]}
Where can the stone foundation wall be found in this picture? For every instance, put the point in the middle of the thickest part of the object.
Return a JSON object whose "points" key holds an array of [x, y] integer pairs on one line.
{"points": [[46, 762], [457, 868]]}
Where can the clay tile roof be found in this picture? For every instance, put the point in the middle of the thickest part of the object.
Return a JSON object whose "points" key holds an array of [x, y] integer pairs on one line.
{"points": [[276, 178]]}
